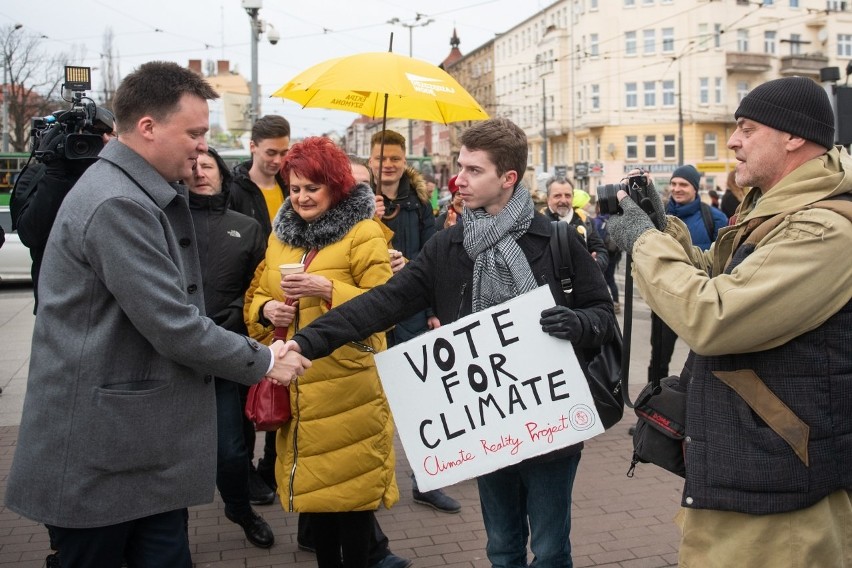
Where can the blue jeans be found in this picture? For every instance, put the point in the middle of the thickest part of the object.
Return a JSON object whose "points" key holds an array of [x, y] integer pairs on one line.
{"points": [[232, 458], [529, 499], [150, 542]]}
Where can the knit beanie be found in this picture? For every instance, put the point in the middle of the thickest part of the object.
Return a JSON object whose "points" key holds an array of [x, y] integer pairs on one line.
{"points": [[795, 105], [690, 174]]}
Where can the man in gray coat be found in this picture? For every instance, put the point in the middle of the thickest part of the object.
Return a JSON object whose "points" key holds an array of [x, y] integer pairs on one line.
{"points": [[118, 434]]}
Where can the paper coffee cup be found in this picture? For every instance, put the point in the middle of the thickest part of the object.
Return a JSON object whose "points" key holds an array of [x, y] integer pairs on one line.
{"points": [[294, 268]]}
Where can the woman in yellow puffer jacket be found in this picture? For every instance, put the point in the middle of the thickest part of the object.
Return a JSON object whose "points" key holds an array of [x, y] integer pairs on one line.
{"points": [[335, 457]]}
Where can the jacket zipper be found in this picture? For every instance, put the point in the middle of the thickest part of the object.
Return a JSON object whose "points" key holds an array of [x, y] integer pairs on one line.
{"points": [[295, 450], [461, 300]]}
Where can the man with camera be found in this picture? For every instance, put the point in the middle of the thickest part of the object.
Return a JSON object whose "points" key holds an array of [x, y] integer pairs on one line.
{"points": [[42, 187], [767, 311], [118, 429]]}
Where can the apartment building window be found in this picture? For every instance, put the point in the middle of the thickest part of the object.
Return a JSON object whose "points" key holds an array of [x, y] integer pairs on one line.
{"points": [[836, 5], [710, 145], [794, 3], [668, 93], [669, 150], [593, 45], [769, 42], [742, 40], [650, 147], [768, 2], [844, 45], [742, 90], [717, 35], [795, 44], [630, 95], [668, 40], [593, 4], [630, 43], [596, 97], [649, 89], [718, 90], [649, 41], [629, 3], [703, 36], [704, 90], [579, 98], [666, 1], [647, 2], [631, 147]]}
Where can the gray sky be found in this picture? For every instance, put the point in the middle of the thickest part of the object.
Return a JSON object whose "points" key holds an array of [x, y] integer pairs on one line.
{"points": [[311, 31]]}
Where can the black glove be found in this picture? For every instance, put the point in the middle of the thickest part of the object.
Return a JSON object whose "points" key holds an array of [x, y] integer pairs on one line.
{"points": [[57, 165], [48, 145], [561, 322]]}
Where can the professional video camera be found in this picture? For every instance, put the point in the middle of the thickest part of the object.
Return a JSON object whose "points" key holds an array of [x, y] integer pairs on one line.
{"points": [[80, 128], [636, 187]]}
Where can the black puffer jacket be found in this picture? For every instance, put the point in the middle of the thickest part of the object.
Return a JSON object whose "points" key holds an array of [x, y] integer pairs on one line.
{"points": [[246, 197], [230, 246]]}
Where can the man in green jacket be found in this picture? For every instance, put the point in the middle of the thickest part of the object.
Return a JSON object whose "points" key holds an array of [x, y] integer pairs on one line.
{"points": [[768, 315]]}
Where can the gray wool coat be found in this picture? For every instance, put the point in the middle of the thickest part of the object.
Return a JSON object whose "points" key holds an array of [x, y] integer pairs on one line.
{"points": [[119, 419]]}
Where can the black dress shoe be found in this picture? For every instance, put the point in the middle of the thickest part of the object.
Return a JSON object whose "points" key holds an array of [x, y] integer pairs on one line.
{"points": [[257, 530], [436, 499], [259, 492]]}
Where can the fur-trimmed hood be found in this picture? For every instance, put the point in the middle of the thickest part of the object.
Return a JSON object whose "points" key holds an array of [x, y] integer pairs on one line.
{"points": [[416, 181], [292, 230]]}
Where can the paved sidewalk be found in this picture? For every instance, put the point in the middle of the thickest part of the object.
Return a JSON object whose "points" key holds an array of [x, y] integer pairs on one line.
{"points": [[617, 522]]}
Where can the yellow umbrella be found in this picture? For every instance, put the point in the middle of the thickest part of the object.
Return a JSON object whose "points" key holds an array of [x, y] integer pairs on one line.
{"points": [[359, 83]]}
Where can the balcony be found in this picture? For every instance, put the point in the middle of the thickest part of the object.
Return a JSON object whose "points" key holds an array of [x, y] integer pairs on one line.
{"points": [[803, 65], [740, 62]]}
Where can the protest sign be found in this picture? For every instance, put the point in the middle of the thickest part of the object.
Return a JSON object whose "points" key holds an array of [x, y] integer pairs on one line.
{"points": [[486, 391]]}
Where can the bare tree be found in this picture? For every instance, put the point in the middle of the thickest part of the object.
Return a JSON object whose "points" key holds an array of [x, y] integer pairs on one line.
{"points": [[109, 69], [33, 81]]}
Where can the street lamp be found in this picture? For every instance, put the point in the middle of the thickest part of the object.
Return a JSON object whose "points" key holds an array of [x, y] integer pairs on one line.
{"points": [[417, 23], [258, 26], [6, 63]]}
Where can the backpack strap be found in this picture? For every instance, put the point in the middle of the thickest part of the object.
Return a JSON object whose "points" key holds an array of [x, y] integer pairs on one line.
{"points": [[709, 225], [561, 256], [842, 205]]}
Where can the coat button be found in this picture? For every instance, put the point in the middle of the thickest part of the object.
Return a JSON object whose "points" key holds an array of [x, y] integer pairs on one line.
{"points": [[688, 500], [192, 288], [688, 439], [184, 242]]}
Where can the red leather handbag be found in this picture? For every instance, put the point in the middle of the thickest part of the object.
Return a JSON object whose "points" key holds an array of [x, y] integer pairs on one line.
{"points": [[268, 403]]}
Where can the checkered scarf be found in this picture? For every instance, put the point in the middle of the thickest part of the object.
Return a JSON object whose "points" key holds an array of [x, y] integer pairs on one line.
{"points": [[500, 269]]}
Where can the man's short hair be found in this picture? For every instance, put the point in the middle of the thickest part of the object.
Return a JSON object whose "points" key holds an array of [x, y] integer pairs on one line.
{"points": [[557, 179], [270, 126], [155, 90], [389, 137], [503, 141]]}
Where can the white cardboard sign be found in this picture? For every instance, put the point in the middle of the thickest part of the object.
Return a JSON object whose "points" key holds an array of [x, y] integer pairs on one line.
{"points": [[485, 392]]}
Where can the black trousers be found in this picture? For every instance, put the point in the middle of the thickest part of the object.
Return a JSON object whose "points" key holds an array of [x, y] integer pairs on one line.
{"points": [[378, 541], [345, 535], [150, 542], [663, 340]]}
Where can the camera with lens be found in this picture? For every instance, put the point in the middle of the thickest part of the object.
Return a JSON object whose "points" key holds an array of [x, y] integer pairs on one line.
{"points": [[636, 187], [75, 133]]}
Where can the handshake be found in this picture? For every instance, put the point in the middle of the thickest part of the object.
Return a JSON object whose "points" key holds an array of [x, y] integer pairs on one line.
{"points": [[288, 363]]}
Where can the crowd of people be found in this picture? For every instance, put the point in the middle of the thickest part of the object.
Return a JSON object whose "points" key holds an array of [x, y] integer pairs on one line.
{"points": [[160, 256]]}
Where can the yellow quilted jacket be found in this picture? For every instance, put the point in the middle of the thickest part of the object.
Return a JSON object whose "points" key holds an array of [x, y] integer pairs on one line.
{"points": [[336, 454]]}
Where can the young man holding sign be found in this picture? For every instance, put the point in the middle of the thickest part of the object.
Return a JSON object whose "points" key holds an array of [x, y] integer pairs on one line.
{"points": [[500, 251]]}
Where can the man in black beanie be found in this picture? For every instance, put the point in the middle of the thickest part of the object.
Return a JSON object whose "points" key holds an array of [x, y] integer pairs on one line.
{"points": [[767, 311]]}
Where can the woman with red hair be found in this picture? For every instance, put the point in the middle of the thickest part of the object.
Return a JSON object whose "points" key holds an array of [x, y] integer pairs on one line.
{"points": [[335, 457]]}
